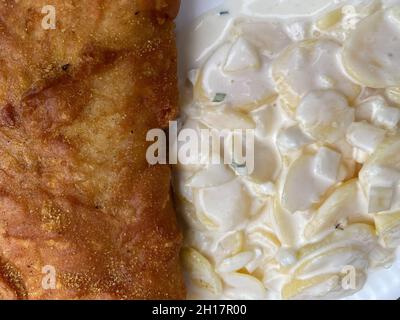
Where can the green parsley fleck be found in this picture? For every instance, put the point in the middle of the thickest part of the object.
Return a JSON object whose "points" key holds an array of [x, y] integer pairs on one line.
{"points": [[239, 165], [219, 97]]}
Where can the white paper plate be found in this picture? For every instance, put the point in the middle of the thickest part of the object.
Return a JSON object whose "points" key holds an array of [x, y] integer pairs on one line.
{"points": [[382, 284]]}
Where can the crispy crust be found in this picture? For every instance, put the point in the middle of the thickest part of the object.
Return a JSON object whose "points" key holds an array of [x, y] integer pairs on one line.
{"points": [[76, 192], [170, 7]]}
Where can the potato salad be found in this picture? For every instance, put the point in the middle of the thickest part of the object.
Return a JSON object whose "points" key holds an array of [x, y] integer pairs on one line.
{"points": [[319, 83]]}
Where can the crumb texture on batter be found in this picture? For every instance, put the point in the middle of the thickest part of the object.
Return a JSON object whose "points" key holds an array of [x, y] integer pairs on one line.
{"points": [[76, 191]]}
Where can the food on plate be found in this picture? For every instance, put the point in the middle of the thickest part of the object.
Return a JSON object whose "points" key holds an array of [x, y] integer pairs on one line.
{"points": [[319, 87]]}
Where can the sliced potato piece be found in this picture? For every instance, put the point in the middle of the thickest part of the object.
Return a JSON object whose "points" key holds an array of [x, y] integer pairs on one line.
{"points": [[242, 56], [298, 289], [393, 94], [388, 228], [336, 207], [244, 90], [366, 110], [327, 164], [231, 244], [387, 154], [325, 115], [236, 262], [372, 52], [266, 240], [330, 19], [382, 169], [267, 162], [292, 138], [302, 187], [244, 286], [364, 136], [226, 119], [358, 234], [269, 37], [268, 121], [213, 175], [326, 286], [380, 199], [263, 161], [200, 271], [261, 190], [283, 220], [332, 261], [223, 207], [387, 117], [311, 65]]}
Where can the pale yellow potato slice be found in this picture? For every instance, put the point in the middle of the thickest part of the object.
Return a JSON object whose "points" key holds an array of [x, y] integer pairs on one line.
{"points": [[364, 136], [267, 162], [200, 271], [302, 187], [372, 51], [263, 160], [242, 56], [285, 223], [383, 167], [311, 65], [236, 262], [226, 119], [264, 239], [325, 286], [333, 261], [388, 228], [330, 19], [380, 199], [222, 208], [336, 207], [211, 176], [231, 244], [358, 234], [268, 121], [244, 89], [393, 94], [269, 37], [244, 286], [325, 115], [292, 138]]}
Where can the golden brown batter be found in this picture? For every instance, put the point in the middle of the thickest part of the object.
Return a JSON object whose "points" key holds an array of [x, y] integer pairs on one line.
{"points": [[76, 191]]}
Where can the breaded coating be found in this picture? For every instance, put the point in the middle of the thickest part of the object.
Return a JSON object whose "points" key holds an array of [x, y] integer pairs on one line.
{"points": [[77, 195]]}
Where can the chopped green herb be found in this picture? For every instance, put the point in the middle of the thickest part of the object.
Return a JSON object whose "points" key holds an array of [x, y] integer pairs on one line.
{"points": [[219, 97], [240, 168], [223, 13], [239, 165]]}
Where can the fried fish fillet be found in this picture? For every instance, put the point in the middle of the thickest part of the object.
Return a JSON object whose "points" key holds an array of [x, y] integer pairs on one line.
{"points": [[82, 213]]}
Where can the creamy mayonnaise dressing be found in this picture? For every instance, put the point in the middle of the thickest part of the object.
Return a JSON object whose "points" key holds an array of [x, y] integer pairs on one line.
{"points": [[319, 82]]}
